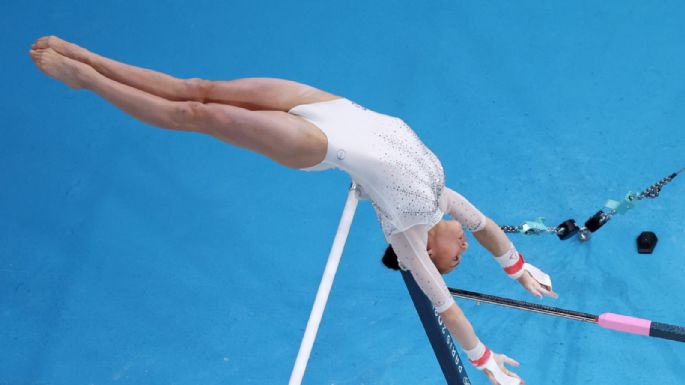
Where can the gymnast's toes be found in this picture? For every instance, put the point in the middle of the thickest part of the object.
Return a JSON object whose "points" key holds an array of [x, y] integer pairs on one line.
{"points": [[62, 47], [59, 67], [43, 42]]}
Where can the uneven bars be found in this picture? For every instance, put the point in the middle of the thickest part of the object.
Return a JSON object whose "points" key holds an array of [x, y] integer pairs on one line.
{"points": [[324, 287]]}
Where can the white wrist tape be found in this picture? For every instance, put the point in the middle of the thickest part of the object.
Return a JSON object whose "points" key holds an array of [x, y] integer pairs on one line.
{"points": [[475, 353], [514, 265], [512, 262], [486, 360]]}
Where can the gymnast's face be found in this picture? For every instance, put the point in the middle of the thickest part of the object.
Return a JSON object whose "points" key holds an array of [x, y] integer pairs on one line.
{"points": [[446, 245]]}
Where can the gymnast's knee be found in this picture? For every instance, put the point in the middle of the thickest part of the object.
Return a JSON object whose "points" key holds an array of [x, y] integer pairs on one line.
{"points": [[199, 89], [190, 116]]}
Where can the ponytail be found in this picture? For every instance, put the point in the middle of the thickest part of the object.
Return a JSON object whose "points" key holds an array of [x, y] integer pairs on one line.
{"points": [[390, 259]]}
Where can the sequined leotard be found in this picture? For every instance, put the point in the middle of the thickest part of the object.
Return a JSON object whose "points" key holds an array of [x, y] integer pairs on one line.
{"points": [[401, 177]]}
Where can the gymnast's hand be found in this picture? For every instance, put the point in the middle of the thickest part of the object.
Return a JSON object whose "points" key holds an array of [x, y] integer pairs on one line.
{"points": [[505, 376], [534, 287]]}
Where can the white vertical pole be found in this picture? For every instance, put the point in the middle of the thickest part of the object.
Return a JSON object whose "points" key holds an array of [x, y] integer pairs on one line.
{"points": [[324, 287]]}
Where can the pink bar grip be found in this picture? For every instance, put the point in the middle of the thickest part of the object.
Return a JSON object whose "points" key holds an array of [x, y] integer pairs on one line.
{"points": [[624, 323]]}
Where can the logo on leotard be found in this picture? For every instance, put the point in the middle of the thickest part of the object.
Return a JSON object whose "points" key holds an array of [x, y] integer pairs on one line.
{"points": [[341, 154], [359, 106]]}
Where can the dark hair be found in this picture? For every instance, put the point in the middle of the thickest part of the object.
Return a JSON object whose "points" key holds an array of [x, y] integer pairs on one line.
{"points": [[390, 259]]}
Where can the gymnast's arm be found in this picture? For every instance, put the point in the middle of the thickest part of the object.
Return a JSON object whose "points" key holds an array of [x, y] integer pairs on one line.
{"points": [[491, 236], [410, 247]]}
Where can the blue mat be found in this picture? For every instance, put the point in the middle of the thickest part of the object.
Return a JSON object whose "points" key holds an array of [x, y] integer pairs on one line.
{"points": [[131, 255]]}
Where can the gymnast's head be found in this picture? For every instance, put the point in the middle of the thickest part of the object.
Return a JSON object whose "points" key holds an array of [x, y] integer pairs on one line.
{"points": [[446, 245]]}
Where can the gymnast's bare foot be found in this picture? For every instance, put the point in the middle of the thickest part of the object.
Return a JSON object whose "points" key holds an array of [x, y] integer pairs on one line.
{"points": [[71, 72], [63, 47]]}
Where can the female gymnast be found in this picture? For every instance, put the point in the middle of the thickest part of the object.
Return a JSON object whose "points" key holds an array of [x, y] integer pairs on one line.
{"points": [[305, 128]]}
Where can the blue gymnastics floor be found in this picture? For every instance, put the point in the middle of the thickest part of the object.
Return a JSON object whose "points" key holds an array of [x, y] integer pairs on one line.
{"points": [[131, 255]]}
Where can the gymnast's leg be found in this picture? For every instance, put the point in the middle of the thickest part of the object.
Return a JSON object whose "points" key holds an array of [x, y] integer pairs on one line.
{"points": [[251, 93], [285, 138]]}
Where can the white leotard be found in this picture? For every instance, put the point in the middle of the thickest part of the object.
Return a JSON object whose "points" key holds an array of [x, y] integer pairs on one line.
{"points": [[401, 177], [395, 170]]}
